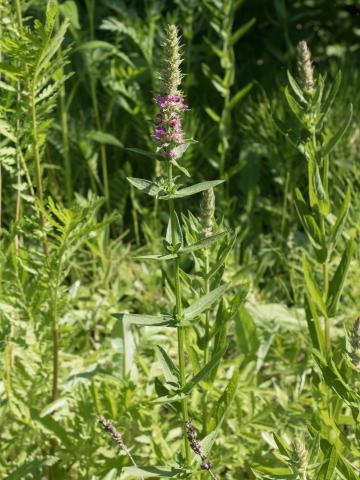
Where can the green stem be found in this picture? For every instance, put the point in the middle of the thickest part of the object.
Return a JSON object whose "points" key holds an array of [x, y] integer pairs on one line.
{"points": [[325, 268], [18, 160], [38, 172], [180, 329], [206, 339], [95, 105]]}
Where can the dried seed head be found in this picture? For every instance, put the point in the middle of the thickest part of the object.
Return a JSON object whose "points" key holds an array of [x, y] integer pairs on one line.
{"points": [[195, 446], [305, 67], [207, 211], [171, 75], [299, 455], [116, 436], [355, 343]]}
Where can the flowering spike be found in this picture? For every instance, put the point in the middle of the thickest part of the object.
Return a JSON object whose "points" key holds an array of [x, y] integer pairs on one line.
{"points": [[168, 132], [305, 68], [355, 343], [171, 75]]}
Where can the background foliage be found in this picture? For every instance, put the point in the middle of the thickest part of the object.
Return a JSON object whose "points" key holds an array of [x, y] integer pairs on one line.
{"points": [[95, 106]]}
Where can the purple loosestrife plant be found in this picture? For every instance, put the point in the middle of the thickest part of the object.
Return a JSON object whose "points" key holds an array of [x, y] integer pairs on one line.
{"points": [[168, 136]]}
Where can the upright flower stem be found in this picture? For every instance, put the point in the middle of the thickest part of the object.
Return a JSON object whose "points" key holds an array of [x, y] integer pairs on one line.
{"points": [[325, 292], [18, 154], [180, 329], [96, 111], [207, 335], [38, 172]]}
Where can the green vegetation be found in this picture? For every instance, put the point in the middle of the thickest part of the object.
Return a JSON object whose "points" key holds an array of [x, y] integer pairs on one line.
{"points": [[178, 228]]}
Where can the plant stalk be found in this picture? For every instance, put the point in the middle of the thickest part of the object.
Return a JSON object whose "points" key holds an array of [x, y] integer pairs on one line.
{"points": [[180, 329]]}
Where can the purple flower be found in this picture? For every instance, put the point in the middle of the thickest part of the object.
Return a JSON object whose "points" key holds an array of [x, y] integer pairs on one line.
{"points": [[168, 129]]}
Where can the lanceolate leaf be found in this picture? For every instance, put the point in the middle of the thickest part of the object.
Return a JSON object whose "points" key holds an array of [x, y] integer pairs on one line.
{"points": [[294, 106], [338, 135], [240, 95], [337, 283], [296, 88], [153, 472], [341, 219], [32, 468], [204, 243], [170, 371], [145, 186], [203, 372], [327, 470], [146, 320], [198, 187], [204, 303], [314, 325], [312, 287]]}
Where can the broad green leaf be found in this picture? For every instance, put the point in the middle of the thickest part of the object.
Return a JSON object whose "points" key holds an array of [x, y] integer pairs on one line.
{"points": [[239, 96], [337, 283], [203, 372], [240, 32], [204, 303], [105, 138], [145, 186], [170, 371], [296, 88], [340, 220], [32, 467], [146, 320], [338, 135], [312, 287], [327, 469], [198, 187]]}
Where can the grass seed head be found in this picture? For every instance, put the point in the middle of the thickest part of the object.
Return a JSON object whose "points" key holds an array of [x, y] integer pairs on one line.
{"points": [[355, 343]]}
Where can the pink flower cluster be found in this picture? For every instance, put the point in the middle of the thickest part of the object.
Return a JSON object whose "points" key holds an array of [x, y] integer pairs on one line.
{"points": [[168, 129]]}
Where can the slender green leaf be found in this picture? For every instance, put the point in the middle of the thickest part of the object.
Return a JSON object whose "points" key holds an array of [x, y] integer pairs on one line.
{"points": [[296, 88], [105, 138], [204, 303], [146, 320], [338, 135], [145, 186], [327, 469], [337, 283], [341, 219], [32, 467], [203, 372], [198, 187], [240, 32], [170, 371], [312, 287], [240, 95]]}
